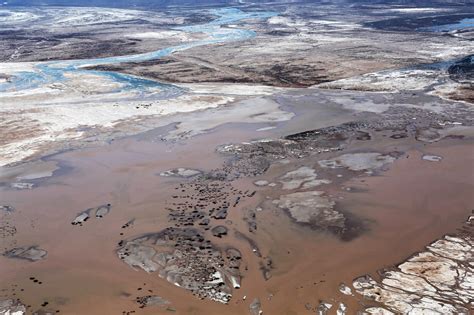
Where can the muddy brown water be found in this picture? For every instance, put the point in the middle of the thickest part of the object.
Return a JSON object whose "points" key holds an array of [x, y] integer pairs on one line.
{"points": [[403, 210]]}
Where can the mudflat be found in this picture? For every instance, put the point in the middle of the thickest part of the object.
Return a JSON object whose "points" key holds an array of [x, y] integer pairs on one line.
{"points": [[297, 158]]}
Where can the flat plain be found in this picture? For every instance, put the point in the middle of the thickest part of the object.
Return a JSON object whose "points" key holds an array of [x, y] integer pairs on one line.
{"points": [[242, 158]]}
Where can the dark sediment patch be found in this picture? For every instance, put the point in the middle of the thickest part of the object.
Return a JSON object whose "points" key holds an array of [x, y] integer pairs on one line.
{"points": [[185, 258], [175, 69], [32, 253], [99, 212], [219, 231], [7, 208], [12, 306], [151, 300], [462, 70], [416, 23], [254, 158], [102, 211]]}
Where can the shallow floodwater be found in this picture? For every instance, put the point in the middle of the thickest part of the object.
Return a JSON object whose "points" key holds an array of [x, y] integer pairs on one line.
{"points": [[403, 209]]}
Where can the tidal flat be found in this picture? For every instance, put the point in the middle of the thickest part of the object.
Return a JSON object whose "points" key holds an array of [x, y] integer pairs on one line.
{"points": [[216, 166]]}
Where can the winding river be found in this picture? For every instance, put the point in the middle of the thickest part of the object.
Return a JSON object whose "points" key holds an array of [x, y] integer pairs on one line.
{"points": [[51, 72]]}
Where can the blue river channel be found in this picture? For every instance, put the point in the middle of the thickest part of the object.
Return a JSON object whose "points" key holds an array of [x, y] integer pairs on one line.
{"points": [[460, 25], [51, 72]]}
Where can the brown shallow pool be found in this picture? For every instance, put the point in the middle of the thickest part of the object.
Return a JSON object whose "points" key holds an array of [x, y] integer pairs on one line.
{"points": [[399, 212]]}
